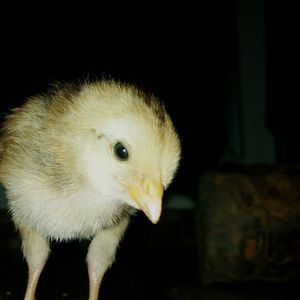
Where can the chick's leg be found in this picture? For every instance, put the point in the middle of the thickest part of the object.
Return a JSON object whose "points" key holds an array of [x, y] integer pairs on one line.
{"points": [[101, 255], [36, 250]]}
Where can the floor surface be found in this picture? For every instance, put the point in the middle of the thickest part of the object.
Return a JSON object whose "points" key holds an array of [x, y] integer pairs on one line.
{"points": [[153, 263]]}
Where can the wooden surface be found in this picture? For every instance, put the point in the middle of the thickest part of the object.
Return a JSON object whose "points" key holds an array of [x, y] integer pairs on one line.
{"points": [[248, 224]]}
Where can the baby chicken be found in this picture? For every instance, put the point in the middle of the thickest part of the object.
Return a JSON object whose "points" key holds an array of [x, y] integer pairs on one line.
{"points": [[77, 162]]}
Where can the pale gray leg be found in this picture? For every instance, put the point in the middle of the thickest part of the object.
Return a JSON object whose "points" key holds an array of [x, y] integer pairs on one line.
{"points": [[36, 251], [101, 255]]}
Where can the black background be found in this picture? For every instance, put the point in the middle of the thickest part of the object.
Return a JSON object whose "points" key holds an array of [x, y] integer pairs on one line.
{"points": [[182, 53]]}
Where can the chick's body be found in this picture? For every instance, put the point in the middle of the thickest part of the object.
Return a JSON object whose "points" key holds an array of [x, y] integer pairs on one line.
{"points": [[77, 161]]}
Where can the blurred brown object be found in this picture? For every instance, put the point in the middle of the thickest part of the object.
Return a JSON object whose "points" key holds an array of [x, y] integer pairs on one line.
{"points": [[248, 223]]}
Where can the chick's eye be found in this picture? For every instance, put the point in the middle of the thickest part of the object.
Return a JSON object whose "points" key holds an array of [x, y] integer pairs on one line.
{"points": [[120, 152]]}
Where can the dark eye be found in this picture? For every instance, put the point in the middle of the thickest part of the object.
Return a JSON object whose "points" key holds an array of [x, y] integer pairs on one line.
{"points": [[121, 152]]}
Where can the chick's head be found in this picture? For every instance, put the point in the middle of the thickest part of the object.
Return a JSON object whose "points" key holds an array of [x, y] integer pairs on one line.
{"points": [[130, 150]]}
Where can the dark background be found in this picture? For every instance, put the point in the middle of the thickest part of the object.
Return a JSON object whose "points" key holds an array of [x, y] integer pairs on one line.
{"points": [[187, 55], [181, 53]]}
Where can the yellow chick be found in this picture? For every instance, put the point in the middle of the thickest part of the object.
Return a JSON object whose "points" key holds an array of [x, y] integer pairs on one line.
{"points": [[77, 162]]}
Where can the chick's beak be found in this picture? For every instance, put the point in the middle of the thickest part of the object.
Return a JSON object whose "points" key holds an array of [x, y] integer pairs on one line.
{"points": [[148, 197]]}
